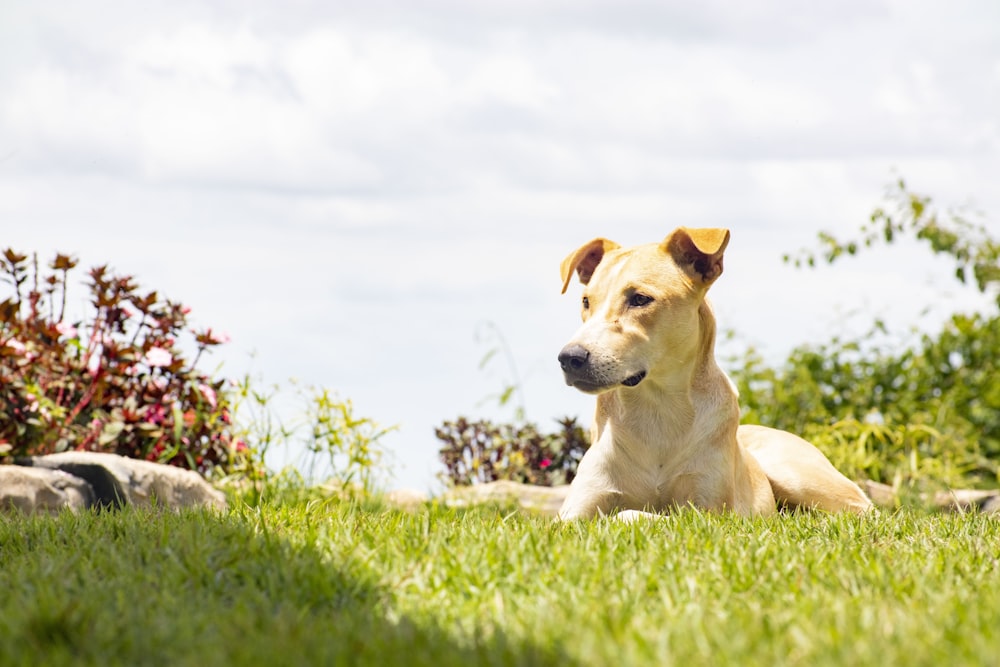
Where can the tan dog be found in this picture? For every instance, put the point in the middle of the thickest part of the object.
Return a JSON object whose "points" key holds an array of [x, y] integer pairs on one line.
{"points": [[666, 432]]}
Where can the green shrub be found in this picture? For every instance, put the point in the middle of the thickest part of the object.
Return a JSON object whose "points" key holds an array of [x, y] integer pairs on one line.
{"points": [[116, 381], [947, 383], [909, 457], [478, 452], [918, 410]]}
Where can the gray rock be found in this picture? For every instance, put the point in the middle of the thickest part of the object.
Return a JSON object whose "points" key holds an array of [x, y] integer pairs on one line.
{"points": [[117, 480], [544, 500], [38, 490], [991, 506], [963, 499], [882, 495], [408, 499]]}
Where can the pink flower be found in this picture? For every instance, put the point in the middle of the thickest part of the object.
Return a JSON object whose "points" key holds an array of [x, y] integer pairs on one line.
{"points": [[208, 393], [544, 463], [157, 357], [155, 414], [66, 329], [217, 338], [16, 345]]}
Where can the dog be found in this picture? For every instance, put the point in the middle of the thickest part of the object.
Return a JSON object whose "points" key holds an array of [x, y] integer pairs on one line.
{"points": [[666, 431]]}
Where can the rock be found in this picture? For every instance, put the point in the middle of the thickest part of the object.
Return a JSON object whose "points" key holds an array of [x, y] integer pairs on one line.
{"points": [[544, 500], [964, 499], [34, 490], [117, 480], [882, 495], [406, 499], [991, 506]]}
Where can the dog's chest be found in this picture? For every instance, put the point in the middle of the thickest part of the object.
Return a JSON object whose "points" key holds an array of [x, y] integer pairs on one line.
{"points": [[660, 473]]}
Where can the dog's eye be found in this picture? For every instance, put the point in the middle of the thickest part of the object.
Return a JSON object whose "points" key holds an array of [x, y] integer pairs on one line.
{"points": [[639, 300], [586, 303]]}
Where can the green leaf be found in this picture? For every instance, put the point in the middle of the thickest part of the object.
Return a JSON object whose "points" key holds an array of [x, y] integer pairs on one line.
{"points": [[506, 395], [110, 432], [486, 358]]}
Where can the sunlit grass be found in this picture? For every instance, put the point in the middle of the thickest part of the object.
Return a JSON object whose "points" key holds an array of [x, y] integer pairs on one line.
{"points": [[328, 582]]}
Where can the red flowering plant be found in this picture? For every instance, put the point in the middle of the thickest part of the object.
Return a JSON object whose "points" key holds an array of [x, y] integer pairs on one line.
{"points": [[116, 381], [475, 452]]}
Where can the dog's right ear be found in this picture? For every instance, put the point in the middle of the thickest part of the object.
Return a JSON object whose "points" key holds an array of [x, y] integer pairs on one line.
{"points": [[584, 260]]}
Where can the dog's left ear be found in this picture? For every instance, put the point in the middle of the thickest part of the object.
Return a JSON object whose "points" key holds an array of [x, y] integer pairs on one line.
{"points": [[698, 252], [585, 259]]}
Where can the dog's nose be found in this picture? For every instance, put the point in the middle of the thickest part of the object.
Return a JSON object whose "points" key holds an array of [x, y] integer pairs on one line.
{"points": [[573, 357]]}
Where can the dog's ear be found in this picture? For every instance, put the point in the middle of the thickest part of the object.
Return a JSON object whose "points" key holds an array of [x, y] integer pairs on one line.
{"points": [[585, 259], [698, 252]]}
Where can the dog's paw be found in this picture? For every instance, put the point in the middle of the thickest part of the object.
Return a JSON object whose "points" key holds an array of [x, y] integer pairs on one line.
{"points": [[628, 516]]}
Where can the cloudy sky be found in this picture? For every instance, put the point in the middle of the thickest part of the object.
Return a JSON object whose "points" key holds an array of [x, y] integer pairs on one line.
{"points": [[360, 192]]}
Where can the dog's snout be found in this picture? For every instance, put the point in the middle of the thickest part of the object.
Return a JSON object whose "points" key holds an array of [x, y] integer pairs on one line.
{"points": [[573, 357]]}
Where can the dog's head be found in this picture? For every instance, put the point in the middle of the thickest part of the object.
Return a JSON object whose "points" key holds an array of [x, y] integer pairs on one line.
{"points": [[641, 308]]}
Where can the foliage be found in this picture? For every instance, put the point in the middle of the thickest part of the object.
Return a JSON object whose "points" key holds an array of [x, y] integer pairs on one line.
{"points": [[349, 444], [330, 582], [975, 252], [902, 414], [116, 381], [910, 457], [938, 403], [334, 442], [480, 451]]}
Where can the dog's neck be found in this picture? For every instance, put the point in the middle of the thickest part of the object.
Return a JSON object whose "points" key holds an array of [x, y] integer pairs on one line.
{"points": [[662, 407]]}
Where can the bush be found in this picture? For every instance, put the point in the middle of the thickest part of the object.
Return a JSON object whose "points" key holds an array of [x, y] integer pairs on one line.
{"points": [[910, 457], [478, 452], [116, 381], [925, 410]]}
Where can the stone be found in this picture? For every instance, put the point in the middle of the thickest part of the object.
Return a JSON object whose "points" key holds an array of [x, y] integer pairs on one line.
{"points": [[543, 500], [991, 506], [882, 495], [964, 499], [407, 499], [118, 480], [38, 490]]}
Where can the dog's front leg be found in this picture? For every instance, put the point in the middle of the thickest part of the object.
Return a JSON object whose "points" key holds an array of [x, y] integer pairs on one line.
{"points": [[587, 503], [593, 491], [592, 506]]}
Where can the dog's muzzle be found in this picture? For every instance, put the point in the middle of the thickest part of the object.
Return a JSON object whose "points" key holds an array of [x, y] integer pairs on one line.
{"points": [[580, 371]]}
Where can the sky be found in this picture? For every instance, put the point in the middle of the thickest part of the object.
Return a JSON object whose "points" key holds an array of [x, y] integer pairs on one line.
{"points": [[370, 196]]}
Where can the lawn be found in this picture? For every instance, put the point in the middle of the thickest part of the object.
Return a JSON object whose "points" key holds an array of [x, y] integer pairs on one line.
{"points": [[345, 582]]}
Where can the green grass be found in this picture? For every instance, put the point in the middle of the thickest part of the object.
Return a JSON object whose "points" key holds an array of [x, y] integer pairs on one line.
{"points": [[328, 582]]}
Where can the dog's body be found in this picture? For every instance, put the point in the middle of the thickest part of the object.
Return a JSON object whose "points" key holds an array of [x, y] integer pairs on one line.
{"points": [[666, 431]]}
